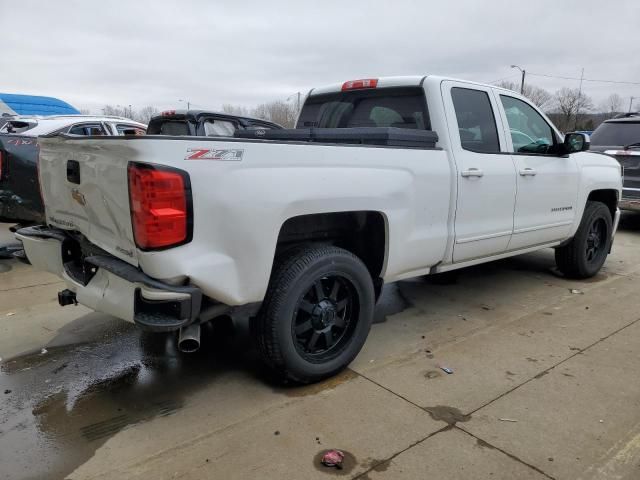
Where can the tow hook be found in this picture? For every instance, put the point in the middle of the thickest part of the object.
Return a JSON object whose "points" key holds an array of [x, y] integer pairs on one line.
{"points": [[67, 297]]}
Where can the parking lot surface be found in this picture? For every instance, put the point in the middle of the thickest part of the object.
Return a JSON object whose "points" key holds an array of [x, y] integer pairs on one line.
{"points": [[544, 385]]}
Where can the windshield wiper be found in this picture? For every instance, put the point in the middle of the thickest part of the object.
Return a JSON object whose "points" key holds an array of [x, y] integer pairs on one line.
{"points": [[632, 145]]}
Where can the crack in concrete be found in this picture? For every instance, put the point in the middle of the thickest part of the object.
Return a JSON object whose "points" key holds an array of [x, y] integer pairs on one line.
{"points": [[485, 444], [478, 439]]}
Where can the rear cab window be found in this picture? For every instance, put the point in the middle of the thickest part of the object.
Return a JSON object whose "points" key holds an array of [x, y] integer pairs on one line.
{"points": [[218, 128], [401, 107], [169, 127]]}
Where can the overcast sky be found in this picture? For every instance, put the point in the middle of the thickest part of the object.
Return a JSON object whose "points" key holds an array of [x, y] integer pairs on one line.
{"points": [[247, 52]]}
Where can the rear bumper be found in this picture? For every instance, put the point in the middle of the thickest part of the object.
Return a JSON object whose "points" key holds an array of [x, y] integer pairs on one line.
{"points": [[110, 285]]}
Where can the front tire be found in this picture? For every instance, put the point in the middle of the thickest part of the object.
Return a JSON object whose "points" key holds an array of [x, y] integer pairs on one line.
{"points": [[317, 313], [586, 253]]}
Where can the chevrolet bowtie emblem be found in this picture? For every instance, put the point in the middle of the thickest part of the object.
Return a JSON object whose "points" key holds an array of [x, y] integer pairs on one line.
{"points": [[78, 197]]}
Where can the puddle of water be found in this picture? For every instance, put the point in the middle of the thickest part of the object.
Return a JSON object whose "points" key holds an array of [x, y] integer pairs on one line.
{"points": [[449, 415], [66, 403]]}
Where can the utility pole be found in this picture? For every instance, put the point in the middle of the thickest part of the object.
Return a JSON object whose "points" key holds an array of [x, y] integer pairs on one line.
{"points": [[575, 125], [130, 112], [631, 103], [523, 75]]}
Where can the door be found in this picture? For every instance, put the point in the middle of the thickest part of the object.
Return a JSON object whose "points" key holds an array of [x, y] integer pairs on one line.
{"points": [[547, 184], [486, 176]]}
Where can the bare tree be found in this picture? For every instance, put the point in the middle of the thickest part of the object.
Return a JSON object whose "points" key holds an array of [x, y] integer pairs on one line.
{"points": [[569, 103], [277, 111], [144, 114], [235, 109], [612, 105], [85, 111], [539, 96]]}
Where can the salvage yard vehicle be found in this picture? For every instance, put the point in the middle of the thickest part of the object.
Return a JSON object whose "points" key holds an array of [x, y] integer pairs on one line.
{"points": [[20, 200], [620, 138], [204, 123], [382, 180]]}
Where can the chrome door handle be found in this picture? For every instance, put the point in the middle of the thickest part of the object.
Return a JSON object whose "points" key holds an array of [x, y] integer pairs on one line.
{"points": [[528, 172], [472, 172]]}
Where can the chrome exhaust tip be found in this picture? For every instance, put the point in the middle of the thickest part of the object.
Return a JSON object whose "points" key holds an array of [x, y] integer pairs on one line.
{"points": [[189, 338]]}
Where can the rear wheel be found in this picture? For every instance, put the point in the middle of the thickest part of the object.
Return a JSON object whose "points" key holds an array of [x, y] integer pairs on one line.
{"points": [[586, 253], [317, 313]]}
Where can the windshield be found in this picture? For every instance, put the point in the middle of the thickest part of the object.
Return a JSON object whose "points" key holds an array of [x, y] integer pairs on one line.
{"points": [[616, 134], [388, 107]]}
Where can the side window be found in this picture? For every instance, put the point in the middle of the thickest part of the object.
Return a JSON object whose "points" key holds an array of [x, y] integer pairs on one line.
{"points": [[530, 133], [218, 128], [87, 129], [129, 130], [476, 122]]}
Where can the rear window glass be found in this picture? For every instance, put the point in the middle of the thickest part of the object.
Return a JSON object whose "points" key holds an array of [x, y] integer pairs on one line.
{"points": [[388, 107], [17, 126], [616, 134], [169, 127]]}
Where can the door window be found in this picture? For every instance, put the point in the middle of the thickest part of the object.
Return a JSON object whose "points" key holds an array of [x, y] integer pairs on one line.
{"points": [[123, 129], [218, 128], [476, 122], [530, 133], [87, 129]]}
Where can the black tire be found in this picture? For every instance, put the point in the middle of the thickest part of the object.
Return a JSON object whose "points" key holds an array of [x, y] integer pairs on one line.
{"points": [[293, 313], [585, 254]]}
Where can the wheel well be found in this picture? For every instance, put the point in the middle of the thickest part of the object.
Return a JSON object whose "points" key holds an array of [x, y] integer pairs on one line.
{"points": [[608, 197], [363, 233]]}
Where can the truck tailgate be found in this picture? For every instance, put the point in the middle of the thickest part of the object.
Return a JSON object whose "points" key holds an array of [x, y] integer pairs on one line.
{"points": [[84, 188]]}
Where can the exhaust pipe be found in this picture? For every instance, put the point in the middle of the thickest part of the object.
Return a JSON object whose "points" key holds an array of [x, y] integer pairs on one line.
{"points": [[189, 338]]}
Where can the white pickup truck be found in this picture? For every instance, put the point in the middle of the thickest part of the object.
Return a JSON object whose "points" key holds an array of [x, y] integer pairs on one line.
{"points": [[383, 179]]}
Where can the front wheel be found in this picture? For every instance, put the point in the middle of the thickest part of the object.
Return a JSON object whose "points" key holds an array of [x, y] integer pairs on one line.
{"points": [[585, 254], [317, 313]]}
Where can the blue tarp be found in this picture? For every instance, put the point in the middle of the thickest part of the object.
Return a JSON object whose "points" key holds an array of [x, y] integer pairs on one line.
{"points": [[34, 105]]}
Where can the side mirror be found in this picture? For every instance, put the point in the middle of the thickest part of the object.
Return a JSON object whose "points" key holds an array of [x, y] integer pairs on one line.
{"points": [[576, 142]]}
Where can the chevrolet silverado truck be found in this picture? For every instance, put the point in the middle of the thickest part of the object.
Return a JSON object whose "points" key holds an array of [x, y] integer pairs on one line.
{"points": [[382, 180]]}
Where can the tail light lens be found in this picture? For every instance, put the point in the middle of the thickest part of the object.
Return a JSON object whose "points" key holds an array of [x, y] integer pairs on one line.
{"points": [[161, 206]]}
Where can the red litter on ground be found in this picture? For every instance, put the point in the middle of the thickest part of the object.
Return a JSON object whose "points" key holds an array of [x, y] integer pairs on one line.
{"points": [[333, 458]]}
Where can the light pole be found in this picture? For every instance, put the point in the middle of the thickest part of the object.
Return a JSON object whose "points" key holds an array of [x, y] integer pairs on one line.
{"points": [[631, 103], [187, 102], [523, 75]]}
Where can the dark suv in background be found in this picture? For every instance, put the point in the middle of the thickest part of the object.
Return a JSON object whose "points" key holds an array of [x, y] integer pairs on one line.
{"points": [[620, 138]]}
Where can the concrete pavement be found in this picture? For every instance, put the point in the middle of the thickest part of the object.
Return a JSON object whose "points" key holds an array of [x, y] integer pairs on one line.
{"points": [[545, 385]]}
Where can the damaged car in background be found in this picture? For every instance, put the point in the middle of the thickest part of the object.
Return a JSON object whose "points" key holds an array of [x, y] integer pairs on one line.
{"points": [[20, 200], [383, 179]]}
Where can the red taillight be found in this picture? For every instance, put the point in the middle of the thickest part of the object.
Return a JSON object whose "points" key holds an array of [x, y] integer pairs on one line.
{"points": [[168, 113], [359, 84], [160, 200]]}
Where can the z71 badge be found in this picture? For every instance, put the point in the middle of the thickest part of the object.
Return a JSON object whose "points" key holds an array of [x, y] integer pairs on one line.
{"points": [[233, 155]]}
